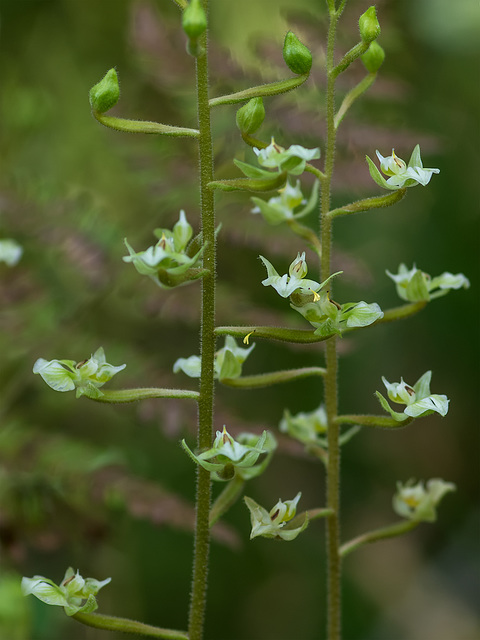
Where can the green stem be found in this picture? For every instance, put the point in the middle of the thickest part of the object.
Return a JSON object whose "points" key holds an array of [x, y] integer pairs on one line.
{"points": [[315, 514], [330, 380], [207, 346], [354, 53], [262, 90], [352, 95], [312, 514], [132, 395], [307, 234], [377, 202], [391, 531], [112, 623], [405, 311], [298, 336], [143, 126], [383, 422], [274, 377], [256, 185], [226, 499]]}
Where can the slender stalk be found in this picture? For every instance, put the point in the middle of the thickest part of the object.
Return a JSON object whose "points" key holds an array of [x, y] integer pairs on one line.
{"points": [[330, 384], [392, 531], [116, 396], [283, 334], [207, 349], [112, 623], [273, 377], [270, 89]]}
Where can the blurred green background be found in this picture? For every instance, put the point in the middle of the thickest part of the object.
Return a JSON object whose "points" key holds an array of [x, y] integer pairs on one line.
{"points": [[107, 489]]}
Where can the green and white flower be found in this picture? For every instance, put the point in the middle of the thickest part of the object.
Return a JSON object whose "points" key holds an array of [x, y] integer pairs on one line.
{"points": [[329, 317], [170, 262], [414, 285], [10, 252], [231, 457], [228, 361], [86, 377], [310, 427], [281, 208], [275, 157], [75, 594], [417, 398], [291, 160], [275, 524], [415, 502], [295, 279], [400, 175]]}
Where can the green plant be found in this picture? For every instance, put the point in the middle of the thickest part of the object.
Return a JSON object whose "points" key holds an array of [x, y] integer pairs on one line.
{"points": [[180, 258]]}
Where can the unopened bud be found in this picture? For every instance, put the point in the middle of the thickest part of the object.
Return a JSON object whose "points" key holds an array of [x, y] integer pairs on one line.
{"points": [[194, 20], [251, 116], [369, 25], [105, 94], [296, 55], [373, 57]]}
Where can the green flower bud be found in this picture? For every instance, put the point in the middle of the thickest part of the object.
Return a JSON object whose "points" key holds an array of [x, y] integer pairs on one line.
{"points": [[194, 20], [373, 57], [105, 94], [368, 25], [251, 116], [296, 55]]}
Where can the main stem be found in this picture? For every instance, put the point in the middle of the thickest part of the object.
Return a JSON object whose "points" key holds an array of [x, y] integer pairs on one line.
{"points": [[330, 379], [207, 348]]}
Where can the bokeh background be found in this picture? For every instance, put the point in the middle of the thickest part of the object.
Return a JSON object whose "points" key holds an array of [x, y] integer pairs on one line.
{"points": [[107, 489]]}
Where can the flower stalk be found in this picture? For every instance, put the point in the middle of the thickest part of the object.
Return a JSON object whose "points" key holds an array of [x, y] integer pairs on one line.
{"points": [[112, 623], [330, 379], [207, 347]]}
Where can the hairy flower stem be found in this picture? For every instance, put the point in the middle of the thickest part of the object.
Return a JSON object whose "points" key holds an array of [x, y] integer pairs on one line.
{"points": [[330, 379], [207, 349]]}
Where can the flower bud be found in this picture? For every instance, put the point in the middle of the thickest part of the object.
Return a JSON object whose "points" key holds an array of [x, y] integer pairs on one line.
{"points": [[368, 25], [251, 116], [194, 20], [105, 94], [296, 55], [373, 57]]}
